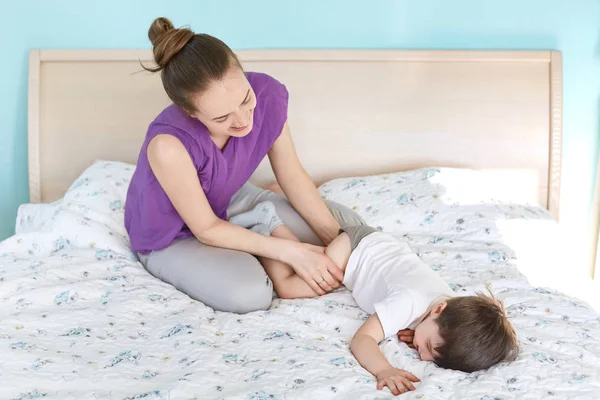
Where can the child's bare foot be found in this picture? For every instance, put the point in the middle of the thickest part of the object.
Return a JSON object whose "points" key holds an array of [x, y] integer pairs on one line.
{"points": [[263, 218]]}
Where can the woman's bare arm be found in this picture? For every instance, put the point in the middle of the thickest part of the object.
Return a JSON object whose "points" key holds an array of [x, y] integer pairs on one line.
{"points": [[300, 189]]}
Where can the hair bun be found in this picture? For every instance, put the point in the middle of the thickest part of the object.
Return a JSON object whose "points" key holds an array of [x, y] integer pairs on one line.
{"points": [[159, 27], [167, 41]]}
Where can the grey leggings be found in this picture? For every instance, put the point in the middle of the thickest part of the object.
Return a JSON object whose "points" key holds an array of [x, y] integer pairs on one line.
{"points": [[230, 280]]}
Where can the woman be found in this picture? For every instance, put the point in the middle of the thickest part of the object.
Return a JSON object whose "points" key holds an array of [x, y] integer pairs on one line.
{"points": [[192, 175]]}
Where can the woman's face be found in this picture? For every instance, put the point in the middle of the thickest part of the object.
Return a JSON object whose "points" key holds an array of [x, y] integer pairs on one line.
{"points": [[226, 108]]}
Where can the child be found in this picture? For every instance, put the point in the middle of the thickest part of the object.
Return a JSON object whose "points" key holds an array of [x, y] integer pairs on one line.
{"points": [[403, 296]]}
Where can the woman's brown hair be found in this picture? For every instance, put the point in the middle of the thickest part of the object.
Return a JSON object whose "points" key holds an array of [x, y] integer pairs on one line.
{"points": [[188, 61]]}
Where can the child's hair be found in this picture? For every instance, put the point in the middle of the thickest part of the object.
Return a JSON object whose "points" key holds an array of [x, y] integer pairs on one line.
{"points": [[476, 334]]}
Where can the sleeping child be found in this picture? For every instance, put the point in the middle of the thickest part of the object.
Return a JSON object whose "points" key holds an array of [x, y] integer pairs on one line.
{"points": [[404, 297]]}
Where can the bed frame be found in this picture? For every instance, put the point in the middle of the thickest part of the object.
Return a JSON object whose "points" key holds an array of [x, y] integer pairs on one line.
{"points": [[352, 112]]}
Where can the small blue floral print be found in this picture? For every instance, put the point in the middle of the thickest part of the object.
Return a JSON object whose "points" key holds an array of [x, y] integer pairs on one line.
{"points": [[66, 297], [32, 395], [157, 298], [146, 396], [277, 335], [578, 378], [61, 244], [261, 396], [21, 346], [131, 356], [104, 297], [543, 358], [404, 199], [79, 331], [497, 256], [149, 375], [38, 364], [79, 183], [177, 329], [116, 205], [344, 362], [429, 173]]}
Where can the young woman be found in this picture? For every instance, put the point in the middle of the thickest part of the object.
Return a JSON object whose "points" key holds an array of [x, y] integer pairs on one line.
{"points": [[192, 176]]}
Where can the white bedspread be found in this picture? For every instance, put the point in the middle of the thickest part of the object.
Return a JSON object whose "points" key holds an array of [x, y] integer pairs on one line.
{"points": [[81, 319]]}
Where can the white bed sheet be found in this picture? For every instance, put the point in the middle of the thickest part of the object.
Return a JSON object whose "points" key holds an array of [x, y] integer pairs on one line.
{"points": [[80, 318]]}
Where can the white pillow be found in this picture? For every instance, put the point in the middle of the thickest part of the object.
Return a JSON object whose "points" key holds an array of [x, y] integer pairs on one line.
{"points": [[99, 194], [91, 212], [435, 200], [32, 217]]}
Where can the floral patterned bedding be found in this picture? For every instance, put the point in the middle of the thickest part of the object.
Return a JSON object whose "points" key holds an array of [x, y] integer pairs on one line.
{"points": [[81, 319]]}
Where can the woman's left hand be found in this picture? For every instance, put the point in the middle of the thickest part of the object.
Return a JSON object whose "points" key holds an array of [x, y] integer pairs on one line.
{"points": [[335, 283], [314, 267]]}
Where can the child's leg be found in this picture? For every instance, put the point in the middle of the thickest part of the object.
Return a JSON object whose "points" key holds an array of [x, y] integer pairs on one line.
{"points": [[263, 215], [264, 220], [287, 284]]}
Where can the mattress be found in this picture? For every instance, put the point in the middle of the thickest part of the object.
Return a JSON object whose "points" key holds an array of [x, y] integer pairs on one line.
{"points": [[80, 318]]}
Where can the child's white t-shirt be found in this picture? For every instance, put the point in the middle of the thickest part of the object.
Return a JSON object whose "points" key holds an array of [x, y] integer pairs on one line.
{"points": [[387, 277]]}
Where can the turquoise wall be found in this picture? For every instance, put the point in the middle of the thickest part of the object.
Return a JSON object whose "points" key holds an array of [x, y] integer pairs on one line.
{"points": [[570, 26]]}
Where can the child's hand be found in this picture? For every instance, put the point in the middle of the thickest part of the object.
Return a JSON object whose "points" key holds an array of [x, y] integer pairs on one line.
{"points": [[407, 336], [398, 380]]}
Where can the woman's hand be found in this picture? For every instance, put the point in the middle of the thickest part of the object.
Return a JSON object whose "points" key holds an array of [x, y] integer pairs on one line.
{"points": [[314, 267], [407, 336], [398, 380]]}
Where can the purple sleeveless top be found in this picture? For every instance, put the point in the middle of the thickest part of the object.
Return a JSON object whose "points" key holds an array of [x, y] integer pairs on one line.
{"points": [[150, 218]]}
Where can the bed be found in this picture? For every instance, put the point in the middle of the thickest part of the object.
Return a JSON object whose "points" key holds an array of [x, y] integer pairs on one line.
{"points": [[457, 152]]}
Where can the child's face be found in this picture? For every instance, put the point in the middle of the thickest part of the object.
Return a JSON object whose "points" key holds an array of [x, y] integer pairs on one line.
{"points": [[427, 334]]}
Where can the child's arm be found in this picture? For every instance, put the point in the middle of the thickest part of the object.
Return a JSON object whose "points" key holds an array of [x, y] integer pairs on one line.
{"points": [[365, 347]]}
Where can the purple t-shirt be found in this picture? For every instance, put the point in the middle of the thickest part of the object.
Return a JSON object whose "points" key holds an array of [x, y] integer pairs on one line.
{"points": [[150, 218]]}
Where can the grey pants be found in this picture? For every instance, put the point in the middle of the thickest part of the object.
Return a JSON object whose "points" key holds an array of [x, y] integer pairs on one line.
{"points": [[230, 280], [356, 233]]}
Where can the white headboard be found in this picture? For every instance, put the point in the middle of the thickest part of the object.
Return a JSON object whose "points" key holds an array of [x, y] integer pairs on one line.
{"points": [[352, 112]]}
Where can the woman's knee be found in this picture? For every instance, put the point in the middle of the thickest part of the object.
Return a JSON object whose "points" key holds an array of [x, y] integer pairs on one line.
{"points": [[247, 287], [255, 295], [225, 280]]}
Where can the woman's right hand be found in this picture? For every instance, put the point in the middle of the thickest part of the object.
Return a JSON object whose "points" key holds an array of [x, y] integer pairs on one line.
{"points": [[314, 267]]}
